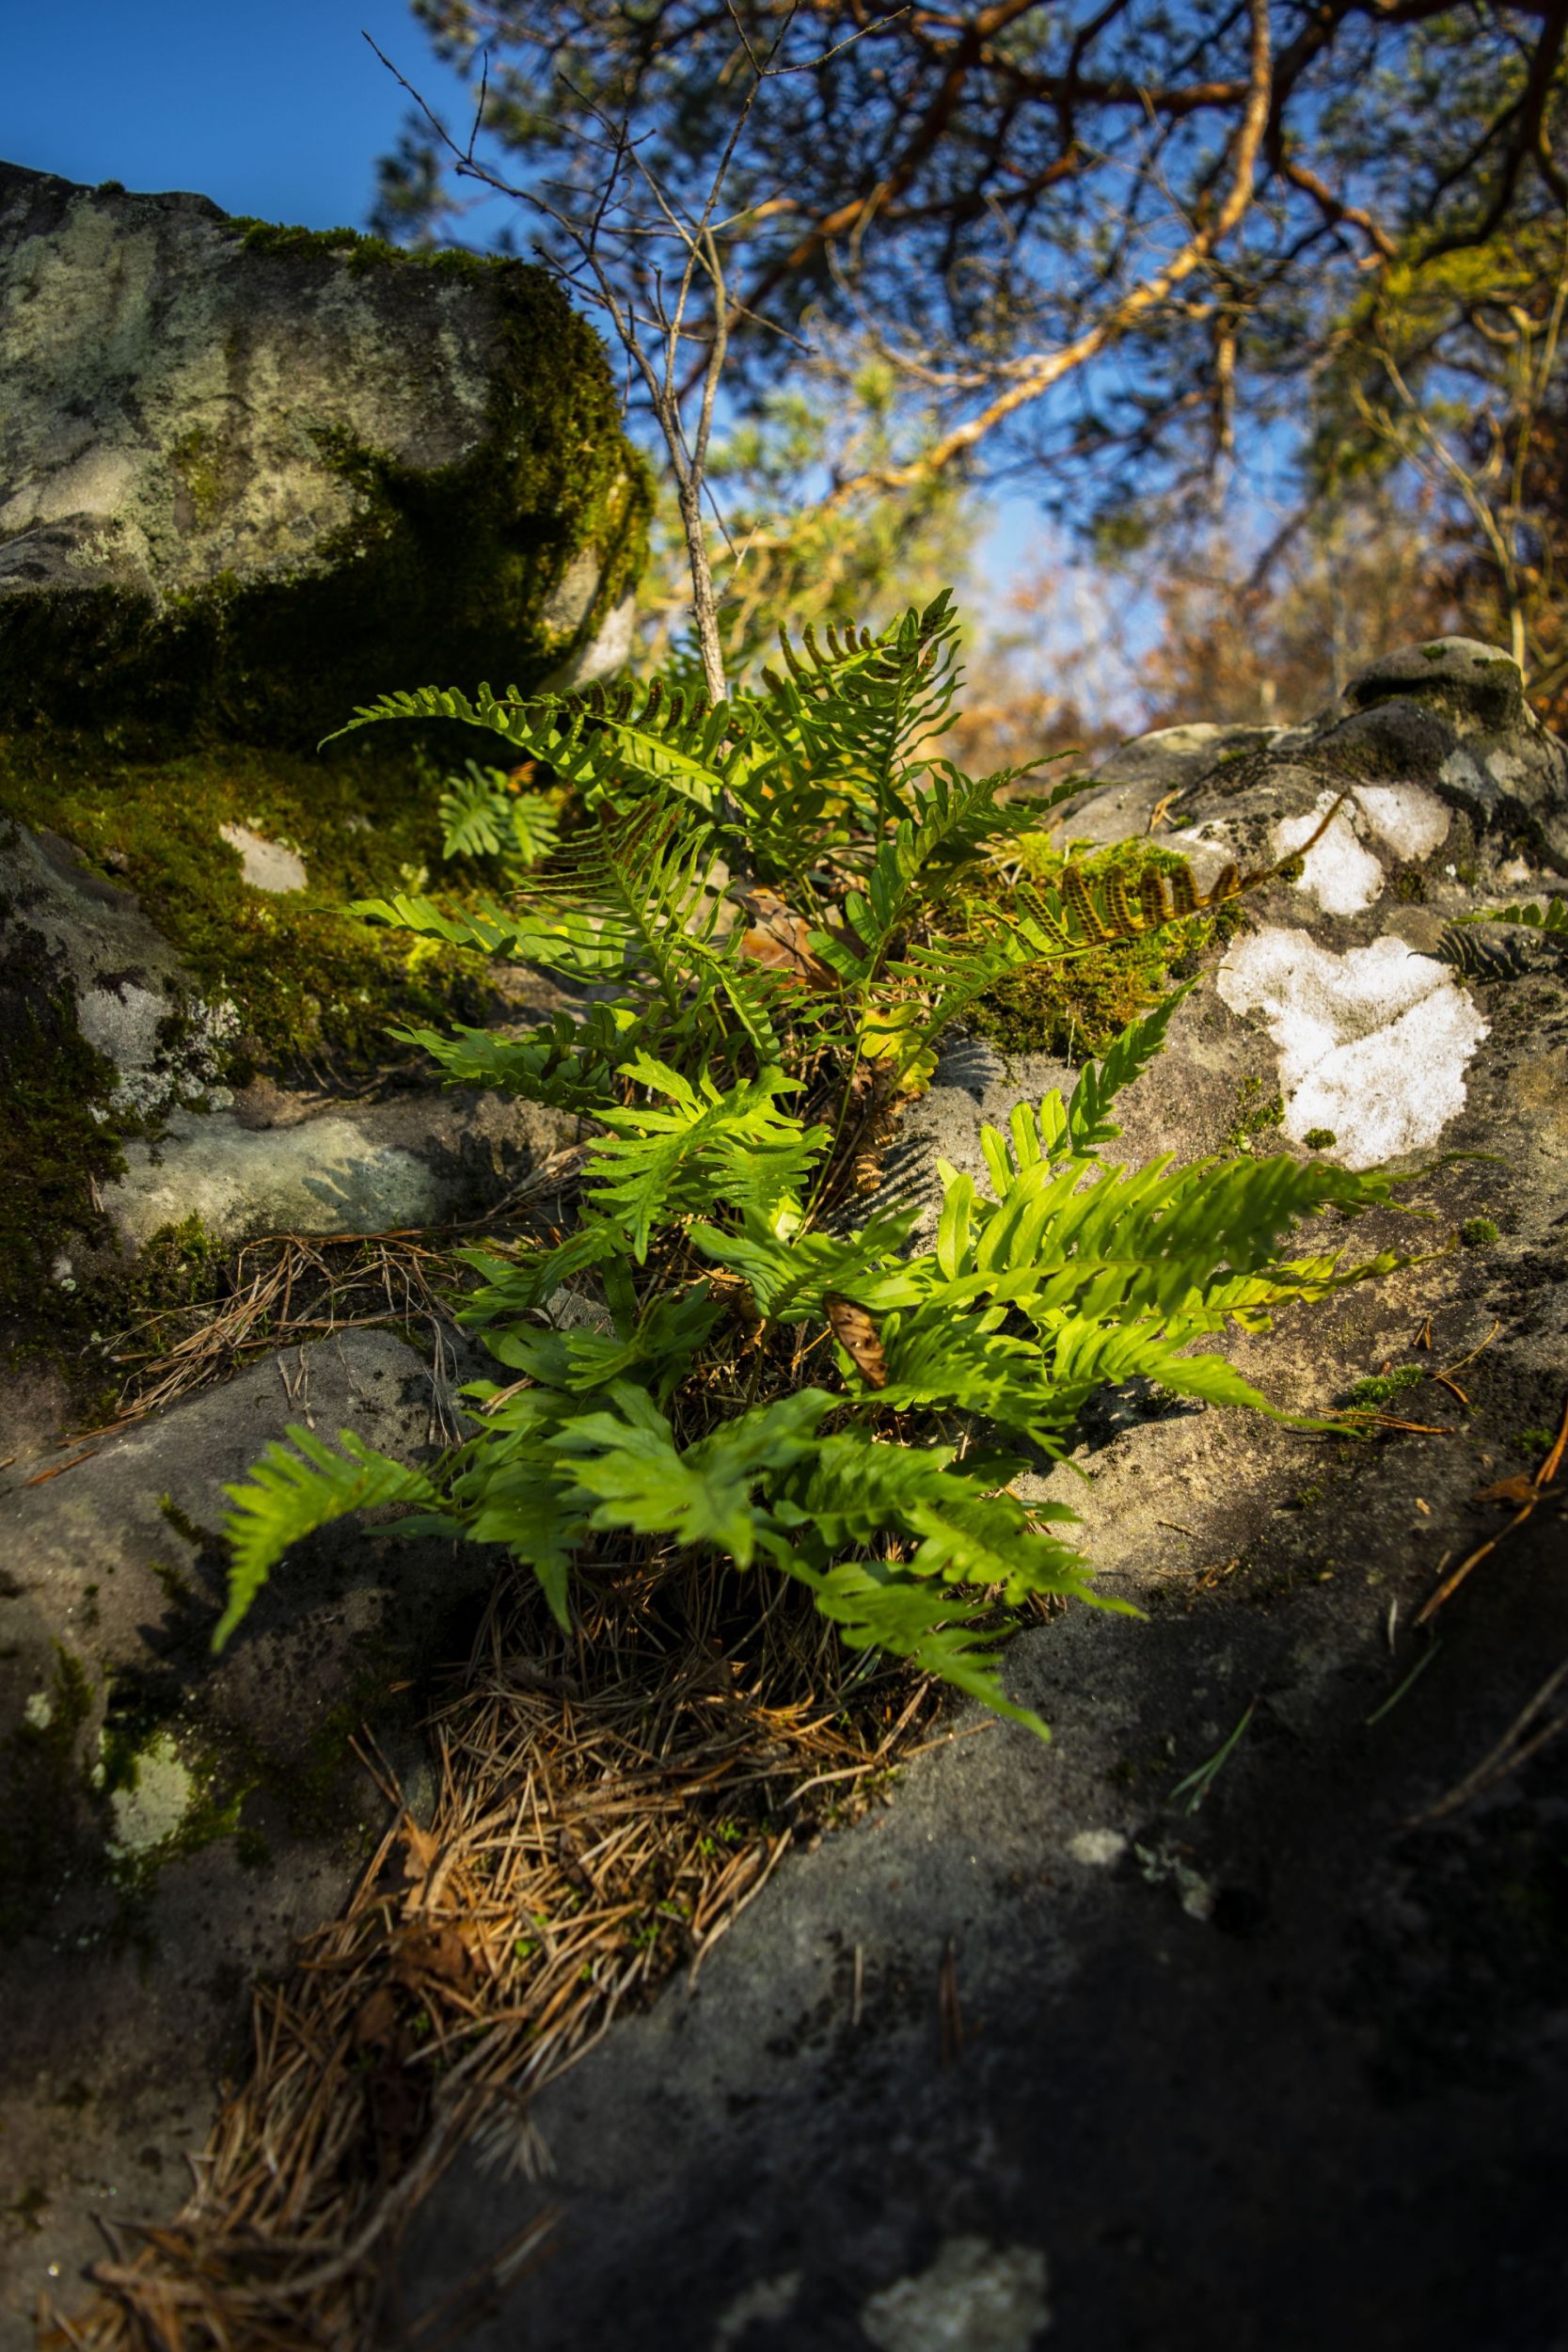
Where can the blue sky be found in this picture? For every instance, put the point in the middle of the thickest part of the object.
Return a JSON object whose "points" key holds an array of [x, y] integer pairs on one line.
{"points": [[276, 107]]}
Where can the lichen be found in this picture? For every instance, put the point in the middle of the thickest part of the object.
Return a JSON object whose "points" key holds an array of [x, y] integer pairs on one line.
{"points": [[57, 1144], [447, 569]]}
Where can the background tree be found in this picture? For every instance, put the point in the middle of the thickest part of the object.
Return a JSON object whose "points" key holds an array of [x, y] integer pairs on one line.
{"points": [[1135, 255]]}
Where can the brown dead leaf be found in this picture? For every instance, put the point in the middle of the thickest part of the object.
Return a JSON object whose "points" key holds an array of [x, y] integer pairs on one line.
{"points": [[780, 940], [1516, 1489], [437, 1953], [377, 2021]]}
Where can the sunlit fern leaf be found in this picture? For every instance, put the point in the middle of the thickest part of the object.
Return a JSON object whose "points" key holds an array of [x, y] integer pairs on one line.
{"points": [[636, 733], [287, 1498], [536, 828], [475, 811], [942, 1634], [859, 709], [492, 931], [1126, 1059], [570, 1064], [699, 1146], [789, 1277], [624, 1457], [1076, 916], [1550, 915]]}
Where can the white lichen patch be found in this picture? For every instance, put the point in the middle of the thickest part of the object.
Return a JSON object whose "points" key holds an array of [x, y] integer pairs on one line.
{"points": [[1343, 873], [38, 1713], [150, 1808], [975, 2297], [763, 2299], [1098, 1848], [265, 865], [1412, 821], [1373, 1044]]}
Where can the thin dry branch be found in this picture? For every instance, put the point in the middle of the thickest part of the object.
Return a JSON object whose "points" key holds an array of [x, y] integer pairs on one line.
{"points": [[1033, 376]]}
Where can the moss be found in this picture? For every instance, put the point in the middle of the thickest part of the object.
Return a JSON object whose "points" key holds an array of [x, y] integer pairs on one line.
{"points": [[1257, 1115], [199, 1538], [1409, 885], [1476, 1232], [1320, 1138], [1382, 1388], [308, 982], [442, 571], [361, 252], [57, 1140], [195, 460], [1075, 1009]]}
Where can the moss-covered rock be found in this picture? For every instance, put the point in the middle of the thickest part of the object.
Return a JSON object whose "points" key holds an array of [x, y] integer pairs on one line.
{"points": [[250, 476]]}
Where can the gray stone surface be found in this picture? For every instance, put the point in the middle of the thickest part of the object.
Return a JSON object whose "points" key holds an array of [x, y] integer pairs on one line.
{"points": [[253, 476], [1132, 781], [1279, 2056], [269, 1160], [136, 1915], [63, 926], [411, 1159], [1450, 716]]}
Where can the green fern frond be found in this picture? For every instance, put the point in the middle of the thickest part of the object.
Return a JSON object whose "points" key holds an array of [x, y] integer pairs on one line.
{"points": [[572, 1065], [605, 742], [701, 1145], [789, 1277], [857, 714], [942, 1634], [287, 1498], [1550, 916], [1126, 1059], [474, 810]]}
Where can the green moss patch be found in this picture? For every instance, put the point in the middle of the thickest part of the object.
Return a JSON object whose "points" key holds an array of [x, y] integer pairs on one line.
{"points": [[1075, 1009], [313, 990], [57, 1142]]}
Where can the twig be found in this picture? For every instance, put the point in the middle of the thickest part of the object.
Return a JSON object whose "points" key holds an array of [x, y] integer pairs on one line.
{"points": [[1512, 1751]]}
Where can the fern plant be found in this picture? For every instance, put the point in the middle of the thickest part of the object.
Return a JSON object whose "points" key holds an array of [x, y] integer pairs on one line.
{"points": [[718, 1248]]}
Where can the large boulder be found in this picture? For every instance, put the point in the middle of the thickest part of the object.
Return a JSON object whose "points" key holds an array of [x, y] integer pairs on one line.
{"points": [[251, 476]]}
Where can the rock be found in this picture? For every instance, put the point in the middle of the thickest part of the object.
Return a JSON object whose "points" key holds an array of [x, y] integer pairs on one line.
{"points": [[1447, 719], [1132, 780], [1219, 1998], [1270, 1986], [170, 1142], [172, 1822], [72, 934], [414, 1158], [250, 477]]}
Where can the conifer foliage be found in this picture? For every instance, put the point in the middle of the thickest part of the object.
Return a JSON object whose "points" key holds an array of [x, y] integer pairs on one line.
{"points": [[728, 1352]]}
